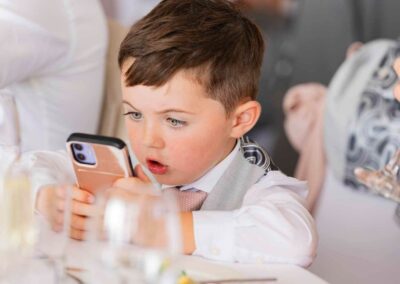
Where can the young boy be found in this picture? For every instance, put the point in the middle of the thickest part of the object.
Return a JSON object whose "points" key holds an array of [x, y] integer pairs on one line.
{"points": [[190, 71]]}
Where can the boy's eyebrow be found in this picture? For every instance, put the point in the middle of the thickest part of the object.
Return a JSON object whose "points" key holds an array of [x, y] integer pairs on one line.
{"points": [[174, 110], [125, 102], [163, 111]]}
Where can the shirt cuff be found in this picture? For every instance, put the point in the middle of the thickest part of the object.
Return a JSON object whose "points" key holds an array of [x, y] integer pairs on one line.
{"points": [[214, 234], [46, 168], [40, 180]]}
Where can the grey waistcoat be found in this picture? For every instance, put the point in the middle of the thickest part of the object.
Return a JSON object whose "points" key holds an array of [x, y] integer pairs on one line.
{"points": [[249, 165]]}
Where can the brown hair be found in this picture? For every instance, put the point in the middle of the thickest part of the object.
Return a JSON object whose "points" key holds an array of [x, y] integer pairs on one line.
{"points": [[210, 37]]}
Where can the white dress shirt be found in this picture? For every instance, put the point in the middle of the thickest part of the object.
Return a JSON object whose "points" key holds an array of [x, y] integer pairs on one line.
{"points": [[52, 57], [272, 225]]}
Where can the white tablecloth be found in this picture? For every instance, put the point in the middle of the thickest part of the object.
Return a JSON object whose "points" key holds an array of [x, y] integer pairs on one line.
{"points": [[40, 272], [359, 236]]}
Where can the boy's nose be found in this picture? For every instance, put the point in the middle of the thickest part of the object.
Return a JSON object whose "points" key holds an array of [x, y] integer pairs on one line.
{"points": [[151, 138]]}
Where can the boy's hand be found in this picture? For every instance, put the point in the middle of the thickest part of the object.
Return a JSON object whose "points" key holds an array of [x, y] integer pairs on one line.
{"points": [[139, 189], [51, 204], [82, 208], [46, 205], [139, 183]]}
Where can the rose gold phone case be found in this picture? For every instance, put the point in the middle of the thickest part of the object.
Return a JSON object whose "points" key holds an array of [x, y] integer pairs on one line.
{"points": [[112, 163]]}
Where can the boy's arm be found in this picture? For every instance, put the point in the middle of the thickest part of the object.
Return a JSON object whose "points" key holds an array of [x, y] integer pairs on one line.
{"points": [[48, 168], [187, 232], [272, 226]]}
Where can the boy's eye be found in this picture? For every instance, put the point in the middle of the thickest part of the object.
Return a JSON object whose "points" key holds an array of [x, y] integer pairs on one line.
{"points": [[175, 122], [134, 115]]}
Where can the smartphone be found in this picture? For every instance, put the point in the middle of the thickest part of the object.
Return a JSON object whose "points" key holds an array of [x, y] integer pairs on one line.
{"points": [[98, 161]]}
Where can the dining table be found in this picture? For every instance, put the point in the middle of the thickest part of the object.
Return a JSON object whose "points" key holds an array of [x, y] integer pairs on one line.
{"points": [[359, 235], [38, 270]]}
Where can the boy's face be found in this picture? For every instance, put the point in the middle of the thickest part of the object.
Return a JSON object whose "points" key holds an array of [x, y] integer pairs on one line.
{"points": [[175, 130]]}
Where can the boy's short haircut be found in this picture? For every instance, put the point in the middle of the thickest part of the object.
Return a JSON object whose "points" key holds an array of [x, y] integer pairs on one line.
{"points": [[210, 38]]}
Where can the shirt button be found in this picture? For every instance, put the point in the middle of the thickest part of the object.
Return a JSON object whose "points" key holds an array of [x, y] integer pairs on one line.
{"points": [[215, 251]]}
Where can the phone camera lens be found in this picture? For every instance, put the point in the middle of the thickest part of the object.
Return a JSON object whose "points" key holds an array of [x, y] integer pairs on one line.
{"points": [[78, 147], [81, 157]]}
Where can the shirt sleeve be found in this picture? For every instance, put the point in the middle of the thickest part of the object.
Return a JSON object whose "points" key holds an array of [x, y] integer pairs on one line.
{"points": [[271, 226], [26, 47], [47, 168]]}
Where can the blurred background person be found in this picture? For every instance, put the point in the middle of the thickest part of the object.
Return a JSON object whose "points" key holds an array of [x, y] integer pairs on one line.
{"points": [[385, 181], [307, 41], [354, 123], [52, 61]]}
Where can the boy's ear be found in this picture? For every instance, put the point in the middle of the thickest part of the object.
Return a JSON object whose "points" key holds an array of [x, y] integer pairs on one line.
{"points": [[244, 117]]}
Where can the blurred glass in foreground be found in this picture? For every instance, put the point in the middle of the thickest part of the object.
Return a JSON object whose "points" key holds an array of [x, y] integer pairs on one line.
{"points": [[135, 238], [18, 233]]}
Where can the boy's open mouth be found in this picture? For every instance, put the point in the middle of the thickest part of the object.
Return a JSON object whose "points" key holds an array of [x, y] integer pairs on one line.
{"points": [[155, 167]]}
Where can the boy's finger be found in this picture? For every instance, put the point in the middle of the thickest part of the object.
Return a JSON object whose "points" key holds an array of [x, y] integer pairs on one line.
{"points": [[83, 209], [124, 183], [60, 205], [58, 221], [82, 195], [77, 234], [140, 173], [60, 191], [78, 222], [57, 227], [132, 185]]}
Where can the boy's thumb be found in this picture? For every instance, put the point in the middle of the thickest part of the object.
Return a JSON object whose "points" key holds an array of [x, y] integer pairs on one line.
{"points": [[140, 173]]}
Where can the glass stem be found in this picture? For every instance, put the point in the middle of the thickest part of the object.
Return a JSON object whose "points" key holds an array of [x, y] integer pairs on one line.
{"points": [[59, 271]]}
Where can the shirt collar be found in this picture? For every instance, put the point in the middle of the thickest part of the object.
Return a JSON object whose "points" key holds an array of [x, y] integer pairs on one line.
{"points": [[207, 182]]}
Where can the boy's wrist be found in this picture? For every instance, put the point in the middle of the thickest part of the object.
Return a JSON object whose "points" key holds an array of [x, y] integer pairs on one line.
{"points": [[188, 240]]}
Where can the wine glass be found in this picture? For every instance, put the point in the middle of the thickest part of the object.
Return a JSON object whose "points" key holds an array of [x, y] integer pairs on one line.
{"points": [[9, 131], [384, 181], [17, 226], [53, 213], [135, 237]]}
